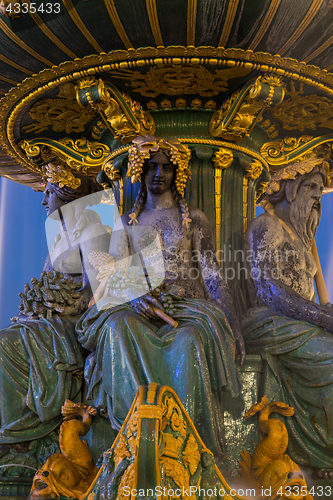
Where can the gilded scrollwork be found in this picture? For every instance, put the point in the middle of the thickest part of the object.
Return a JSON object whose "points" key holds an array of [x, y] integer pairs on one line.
{"points": [[123, 115], [181, 79], [279, 153], [302, 111], [59, 115], [79, 154], [238, 115]]}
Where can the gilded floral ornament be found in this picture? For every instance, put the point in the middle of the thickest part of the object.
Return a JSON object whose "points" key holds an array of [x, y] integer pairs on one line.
{"points": [[58, 174], [254, 170], [110, 170], [145, 145], [117, 62], [223, 158], [79, 154]]}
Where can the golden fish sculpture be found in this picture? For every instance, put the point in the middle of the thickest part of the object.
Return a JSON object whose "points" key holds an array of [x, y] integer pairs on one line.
{"points": [[270, 470], [69, 473]]}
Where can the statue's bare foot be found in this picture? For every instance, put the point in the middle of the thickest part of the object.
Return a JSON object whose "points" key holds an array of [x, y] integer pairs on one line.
{"points": [[323, 474]]}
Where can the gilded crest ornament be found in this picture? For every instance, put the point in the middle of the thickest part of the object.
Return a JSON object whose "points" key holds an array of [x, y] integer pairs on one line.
{"points": [[301, 111], [181, 79], [58, 174]]}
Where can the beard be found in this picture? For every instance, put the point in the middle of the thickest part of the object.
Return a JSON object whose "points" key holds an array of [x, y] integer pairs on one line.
{"points": [[305, 216]]}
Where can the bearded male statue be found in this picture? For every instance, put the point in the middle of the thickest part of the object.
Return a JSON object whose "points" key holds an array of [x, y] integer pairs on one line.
{"points": [[285, 325]]}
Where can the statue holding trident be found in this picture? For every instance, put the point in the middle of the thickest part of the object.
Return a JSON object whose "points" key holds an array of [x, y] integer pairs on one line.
{"points": [[291, 332], [130, 344]]}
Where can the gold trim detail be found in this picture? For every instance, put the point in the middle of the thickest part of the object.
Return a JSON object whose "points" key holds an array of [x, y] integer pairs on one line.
{"points": [[254, 170], [117, 23], [5, 28], [46, 30], [218, 185], [59, 115], [124, 116], [150, 411], [181, 79], [238, 115], [274, 5], [191, 21], [15, 65], [278, 153], [228, 145], [241, 122], [315, 6], [259, 192], [208, 142], [154, 22], [31, 88], [80, 24], [229, 20], [79, 154], [245, 202], [191, 454], [151, 392], [222, 159]]}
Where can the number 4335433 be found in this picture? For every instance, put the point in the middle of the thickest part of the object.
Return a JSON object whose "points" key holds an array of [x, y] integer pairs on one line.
{"points": [[31, 8]]}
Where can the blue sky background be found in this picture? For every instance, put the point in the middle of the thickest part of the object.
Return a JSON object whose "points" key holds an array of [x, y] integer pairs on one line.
{"points": [[23, 247]]}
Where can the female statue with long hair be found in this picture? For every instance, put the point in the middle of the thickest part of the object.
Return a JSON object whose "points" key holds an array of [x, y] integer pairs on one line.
{"points": [[131, 345], [40, 358]]}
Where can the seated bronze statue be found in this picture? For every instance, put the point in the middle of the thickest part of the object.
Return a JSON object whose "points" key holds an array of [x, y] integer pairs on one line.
{"points": [[286, 326], [130, 344], [40, 357]]}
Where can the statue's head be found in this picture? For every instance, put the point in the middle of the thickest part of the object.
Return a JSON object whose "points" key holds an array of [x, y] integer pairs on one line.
{"points": [[298, 188], [159, 173], [159, 164], [64, 186]]}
